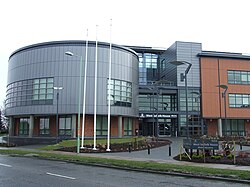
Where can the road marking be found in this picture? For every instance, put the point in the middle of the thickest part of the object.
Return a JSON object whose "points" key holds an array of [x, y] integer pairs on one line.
{"points": [[62, 176], [6, 165]]}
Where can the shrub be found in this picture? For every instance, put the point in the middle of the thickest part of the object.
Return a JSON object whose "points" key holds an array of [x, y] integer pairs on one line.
{"points": [[216, 157], [230, 156], [197, 156]]}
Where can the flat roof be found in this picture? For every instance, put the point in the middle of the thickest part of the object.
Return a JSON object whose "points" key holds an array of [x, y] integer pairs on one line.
{"points": [[223, 55], [71, 42], [142, 49]]}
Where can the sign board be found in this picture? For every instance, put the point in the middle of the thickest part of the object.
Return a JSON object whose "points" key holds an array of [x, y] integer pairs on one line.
{"points": [[159, 116], [201, 144]]}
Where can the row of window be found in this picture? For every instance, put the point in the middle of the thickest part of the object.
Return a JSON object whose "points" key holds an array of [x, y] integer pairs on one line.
{"points": [[30, 92], [239, 100], [65, 126], [161, 102], [120, 93], [238, 77]]}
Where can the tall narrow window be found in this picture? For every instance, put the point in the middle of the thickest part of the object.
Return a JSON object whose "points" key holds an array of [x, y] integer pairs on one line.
{"points": [[65, 126], [24, 126], [128, 127], [101, 126], [44, 126]]}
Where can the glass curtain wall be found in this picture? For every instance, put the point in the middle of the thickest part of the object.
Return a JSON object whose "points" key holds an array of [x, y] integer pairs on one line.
{"points": [[194, 122], [147, 68], [166, 102]]}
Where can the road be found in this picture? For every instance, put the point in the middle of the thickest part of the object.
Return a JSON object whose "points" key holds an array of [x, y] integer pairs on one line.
{"points": [[30, 171]]}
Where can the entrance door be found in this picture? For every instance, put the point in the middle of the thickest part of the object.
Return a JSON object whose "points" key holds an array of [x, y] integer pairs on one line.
{"points": [[165, 129]]}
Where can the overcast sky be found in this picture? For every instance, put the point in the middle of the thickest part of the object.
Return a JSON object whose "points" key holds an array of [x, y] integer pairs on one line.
{"points": [[220, 25]]}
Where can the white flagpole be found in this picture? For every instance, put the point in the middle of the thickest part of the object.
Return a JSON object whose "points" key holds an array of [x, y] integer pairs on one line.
{"points": [[94, 148], [84, 91], [109, 89]]}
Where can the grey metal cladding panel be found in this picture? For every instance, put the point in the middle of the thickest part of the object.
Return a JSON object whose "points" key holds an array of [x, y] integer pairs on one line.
{"points": [[101, 92]]}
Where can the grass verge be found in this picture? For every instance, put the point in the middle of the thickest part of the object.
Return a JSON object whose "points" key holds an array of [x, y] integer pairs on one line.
{"points": [[73, 143], [153, 166]]}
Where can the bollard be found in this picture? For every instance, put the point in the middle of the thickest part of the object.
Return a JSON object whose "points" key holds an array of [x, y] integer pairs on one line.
{"points": [[129, 147], [169, 150], [148, 149]]}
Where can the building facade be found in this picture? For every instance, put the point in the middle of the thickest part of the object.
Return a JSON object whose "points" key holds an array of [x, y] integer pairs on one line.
{"points": [[225, 80], [149, 92], [36, 71]]}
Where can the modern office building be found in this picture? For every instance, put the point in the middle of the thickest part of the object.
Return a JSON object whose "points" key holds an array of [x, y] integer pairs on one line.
{"points": [[148, 90], [37, 71]]}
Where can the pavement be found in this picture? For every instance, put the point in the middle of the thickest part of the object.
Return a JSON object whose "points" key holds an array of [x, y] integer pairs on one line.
{"points": [[160, 155]]}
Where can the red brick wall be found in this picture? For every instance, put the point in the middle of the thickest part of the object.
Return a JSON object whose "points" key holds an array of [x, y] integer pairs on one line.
{"points": [[89, 127], [114, 126], [213, 73], [36, 126], [52, 125], [212, 127], [247, 127], [16, 128]]}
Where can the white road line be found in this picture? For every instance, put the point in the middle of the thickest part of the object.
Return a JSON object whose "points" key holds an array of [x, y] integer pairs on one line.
{"points": [[6, 165], [62, 176]]}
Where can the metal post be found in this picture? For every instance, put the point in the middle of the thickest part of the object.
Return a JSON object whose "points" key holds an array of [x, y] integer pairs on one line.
{"points": [[57, 120], [186, 90], [153, 115], [79, 107], [57, 127], [177, 63], [225, 87], [225, 107], [157, 115]]}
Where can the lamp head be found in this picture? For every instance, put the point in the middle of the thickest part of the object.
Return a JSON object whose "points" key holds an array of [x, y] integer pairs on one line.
{"points": [[177, 63], [223, 86], [69, 53]]}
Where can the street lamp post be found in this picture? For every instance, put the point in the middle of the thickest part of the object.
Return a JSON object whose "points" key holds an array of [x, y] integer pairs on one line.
{"points": [[153, 116], [57, 98], [225, 87], [79, 99], [178, 63]]}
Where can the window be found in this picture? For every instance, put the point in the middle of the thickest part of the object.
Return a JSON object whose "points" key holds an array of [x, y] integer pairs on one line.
{"points": [[44, 126], [128, 128], [239, 100], [238, 77], [147, 67], [101, 125], [65, 125], [24, 126], [120, 93], [43, 91], [166, 102], [233, 127], [30, 92], [193, 100]]}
